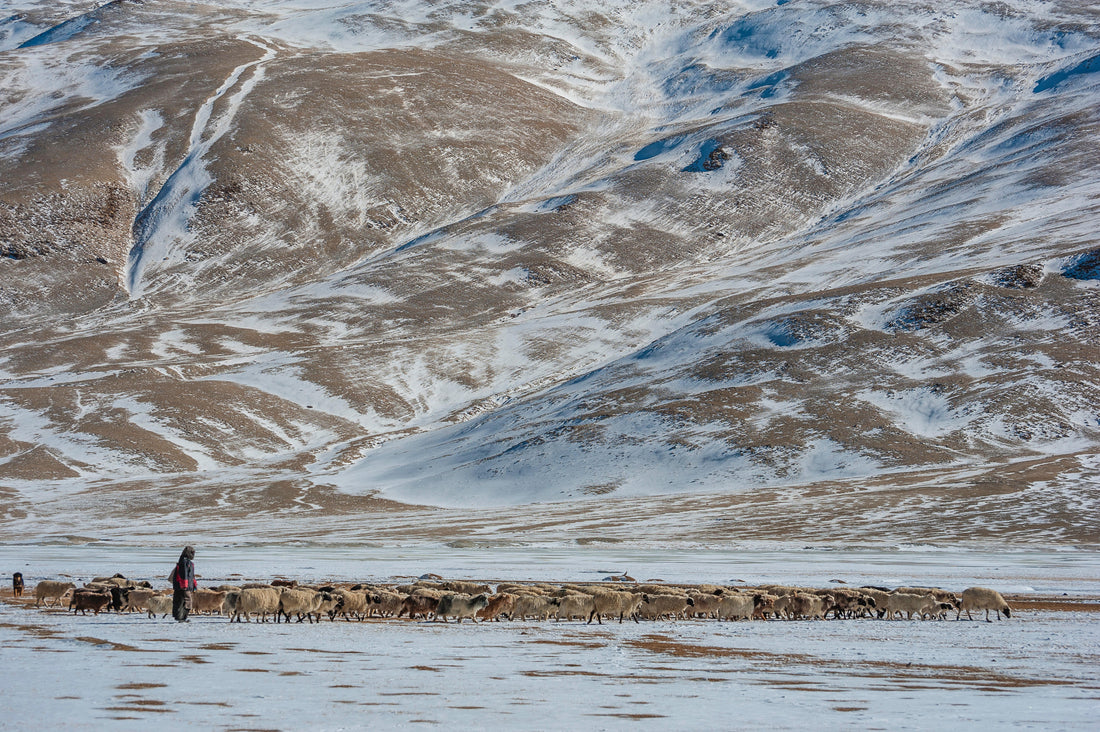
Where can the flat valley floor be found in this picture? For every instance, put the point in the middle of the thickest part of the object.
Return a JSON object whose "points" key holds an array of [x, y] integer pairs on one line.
{"points": [[1037, 670]]}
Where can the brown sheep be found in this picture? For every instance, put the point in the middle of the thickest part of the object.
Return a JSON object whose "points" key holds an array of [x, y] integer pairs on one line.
{"points": [[420, 603], [85, 601], [385, 603], [501, 603], [207, 601]]}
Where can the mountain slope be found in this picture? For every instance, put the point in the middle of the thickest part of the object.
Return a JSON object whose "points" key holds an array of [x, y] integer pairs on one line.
{"points": [[266, 260]]}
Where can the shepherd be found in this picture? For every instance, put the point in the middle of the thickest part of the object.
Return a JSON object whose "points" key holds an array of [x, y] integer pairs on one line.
{"points": [[183, 584]]}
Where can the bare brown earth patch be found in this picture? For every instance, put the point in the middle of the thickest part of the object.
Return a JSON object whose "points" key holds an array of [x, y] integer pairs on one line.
{"points": [[906, 673], [194, 658], [140, 685], [543, 674], [110, 644], [1051, 603], [156, 710]]}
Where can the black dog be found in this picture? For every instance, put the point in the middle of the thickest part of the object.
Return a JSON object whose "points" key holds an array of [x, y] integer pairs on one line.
{"points": [[17, 584]]}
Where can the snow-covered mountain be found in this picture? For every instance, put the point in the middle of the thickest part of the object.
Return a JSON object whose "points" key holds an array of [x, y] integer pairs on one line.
{"points": [[783, 270]]}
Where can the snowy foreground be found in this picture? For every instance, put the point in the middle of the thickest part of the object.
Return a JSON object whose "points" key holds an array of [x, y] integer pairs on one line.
{"points": [[1036, 670]]}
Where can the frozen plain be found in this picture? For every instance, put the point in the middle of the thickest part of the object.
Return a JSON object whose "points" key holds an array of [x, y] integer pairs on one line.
{"points": [[1035, 671], [223, 386]]}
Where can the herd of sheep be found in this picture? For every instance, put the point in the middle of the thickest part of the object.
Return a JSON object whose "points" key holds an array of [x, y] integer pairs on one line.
{"points": [[439, 600]]}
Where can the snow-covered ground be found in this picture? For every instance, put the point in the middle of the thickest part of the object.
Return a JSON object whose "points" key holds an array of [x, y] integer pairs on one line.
{"points": [[1025, 571], [1034, 671]]}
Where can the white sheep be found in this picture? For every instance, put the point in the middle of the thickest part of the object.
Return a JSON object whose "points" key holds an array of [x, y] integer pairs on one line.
{"points": [[303, 603], [472, 589], [159, 605], [936, 592], [351, 603], [909, 603], [574, 605], [534, 606], [612, 603], [705, 604], [878, 597], [982, 598], [50, 589], [136, 599], [818, 604], [263, 601], [655, 607], [783, 606], [735, 606], [460, 606]]}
